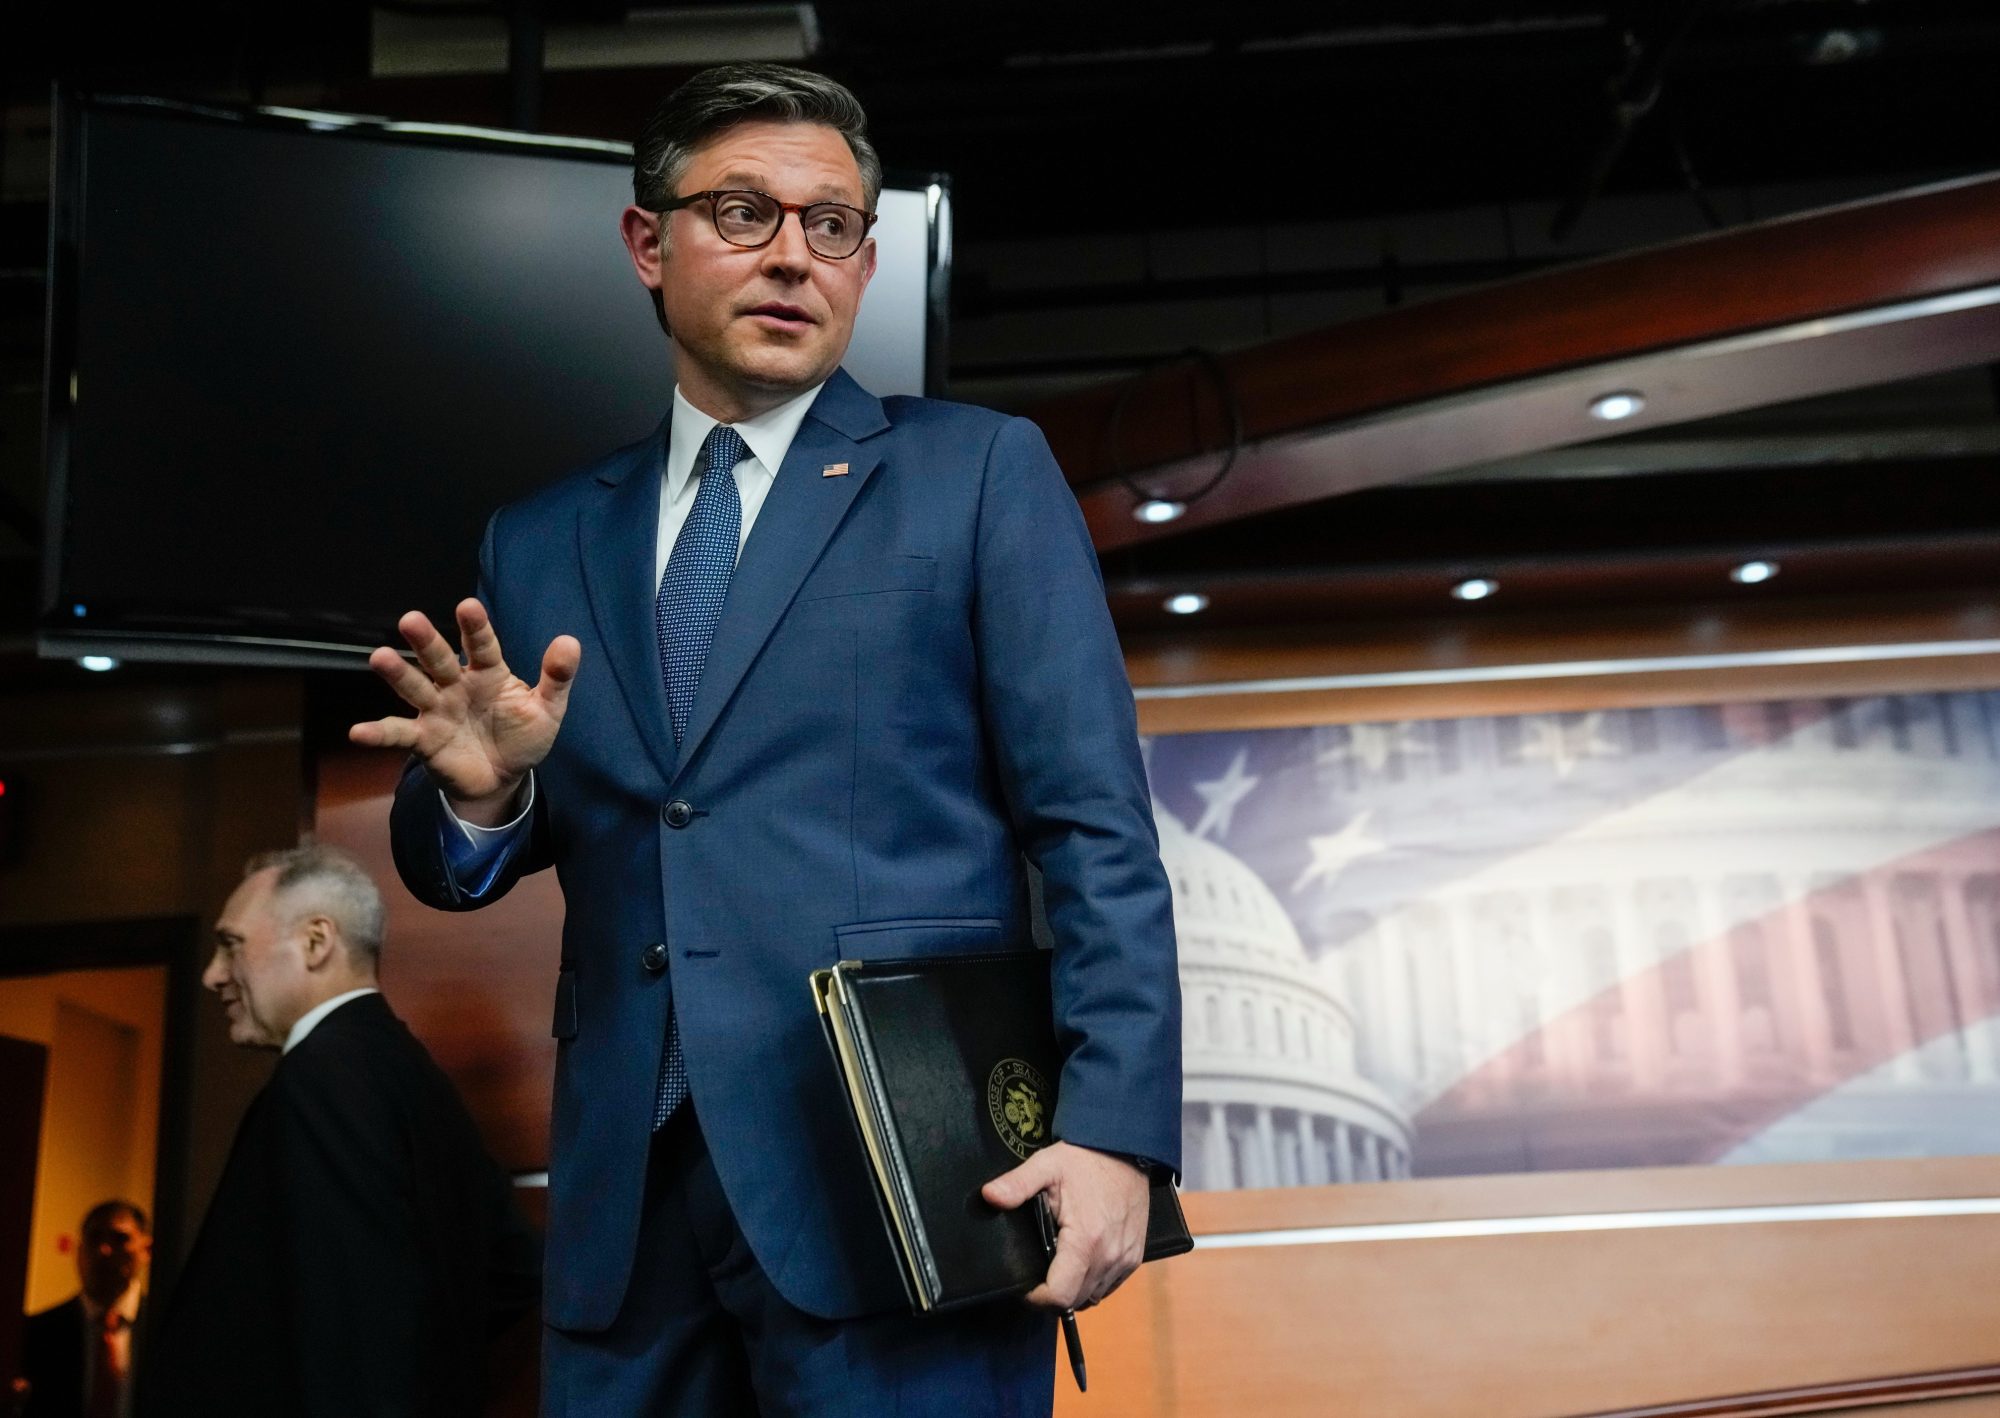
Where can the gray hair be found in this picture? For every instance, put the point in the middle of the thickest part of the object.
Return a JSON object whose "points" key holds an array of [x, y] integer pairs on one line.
{"points": [[325, 881], [729, 94]]}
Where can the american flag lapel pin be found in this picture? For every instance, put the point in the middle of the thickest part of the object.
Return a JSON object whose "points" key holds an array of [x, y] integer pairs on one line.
{"points": [[834, 470]]}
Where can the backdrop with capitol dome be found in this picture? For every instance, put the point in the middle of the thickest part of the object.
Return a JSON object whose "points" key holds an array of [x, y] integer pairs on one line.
{"points": [[1754, 932]]}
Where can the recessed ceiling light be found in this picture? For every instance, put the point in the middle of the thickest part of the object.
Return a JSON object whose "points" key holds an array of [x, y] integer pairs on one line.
{"points": [[1476, 588], [1751, 572], [1619, 405], [97, 663], [1159, 509], [1187, 603]]}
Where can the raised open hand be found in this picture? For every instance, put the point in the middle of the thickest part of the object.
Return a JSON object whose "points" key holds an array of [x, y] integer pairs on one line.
{"points": [[479, 728]]}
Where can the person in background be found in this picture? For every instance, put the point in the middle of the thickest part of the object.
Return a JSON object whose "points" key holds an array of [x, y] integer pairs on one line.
{"points": [[362, 1245], [77, 1357]]}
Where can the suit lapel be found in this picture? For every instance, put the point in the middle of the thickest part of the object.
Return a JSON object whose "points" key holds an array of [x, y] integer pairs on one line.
{"points": [[799, 516], [616, 541]]}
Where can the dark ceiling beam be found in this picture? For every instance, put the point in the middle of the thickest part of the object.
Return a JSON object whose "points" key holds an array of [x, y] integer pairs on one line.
{"points": [[1853, 296]]}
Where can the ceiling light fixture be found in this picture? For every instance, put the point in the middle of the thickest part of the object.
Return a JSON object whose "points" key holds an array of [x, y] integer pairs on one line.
{"points": [[1752, 572], [1159, 509], [1476, 588], [1621, 404], [97, 664], [1186, 603]]}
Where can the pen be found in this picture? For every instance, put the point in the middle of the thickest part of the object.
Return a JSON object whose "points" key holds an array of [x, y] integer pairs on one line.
{"points": [[1072, 1340]]}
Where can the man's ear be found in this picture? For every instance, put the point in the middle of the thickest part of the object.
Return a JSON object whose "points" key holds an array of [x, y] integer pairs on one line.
{"points": [[643, 233], [322, 940]]}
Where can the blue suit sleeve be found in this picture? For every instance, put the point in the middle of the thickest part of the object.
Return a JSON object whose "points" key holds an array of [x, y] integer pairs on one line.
{"points": [[1065, 739]]}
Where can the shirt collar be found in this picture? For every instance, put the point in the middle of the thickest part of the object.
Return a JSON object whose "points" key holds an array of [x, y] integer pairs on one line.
{"points": [[126, 1306], [311, 1018], [768, 436]]}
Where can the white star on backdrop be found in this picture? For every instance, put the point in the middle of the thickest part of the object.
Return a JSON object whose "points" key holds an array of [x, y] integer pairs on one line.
{"points": [[1223, 794], [1566, 745], [1371, 744], [1335, 854]]}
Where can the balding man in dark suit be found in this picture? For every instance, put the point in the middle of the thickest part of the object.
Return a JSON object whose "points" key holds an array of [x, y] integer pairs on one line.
{"points": [[362, 1244]]}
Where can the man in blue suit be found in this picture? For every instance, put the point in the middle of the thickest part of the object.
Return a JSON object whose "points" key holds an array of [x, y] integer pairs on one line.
{"points": [[830, 672]]}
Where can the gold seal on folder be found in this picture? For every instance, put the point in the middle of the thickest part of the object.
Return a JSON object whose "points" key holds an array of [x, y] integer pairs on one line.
{"points": [[1016, 1098]]}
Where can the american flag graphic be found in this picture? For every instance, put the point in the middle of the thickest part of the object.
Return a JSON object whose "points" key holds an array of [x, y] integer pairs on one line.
{"points": [[1750, 932]]}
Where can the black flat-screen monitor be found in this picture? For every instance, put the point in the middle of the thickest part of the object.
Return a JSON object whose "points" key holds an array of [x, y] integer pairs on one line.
{"points": [[296, 359]]}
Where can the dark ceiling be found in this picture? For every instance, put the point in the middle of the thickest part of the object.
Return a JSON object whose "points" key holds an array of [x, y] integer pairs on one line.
{"points": [[1066, 117], [1059, 120]]}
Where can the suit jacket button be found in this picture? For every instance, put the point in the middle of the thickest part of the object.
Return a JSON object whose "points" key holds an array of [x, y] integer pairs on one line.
{"points": [[677, 814], [654, 958]]}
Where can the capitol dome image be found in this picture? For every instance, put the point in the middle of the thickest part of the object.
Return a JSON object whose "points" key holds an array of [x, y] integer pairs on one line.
{"points": [[1272, 1097], [1765, 931]]}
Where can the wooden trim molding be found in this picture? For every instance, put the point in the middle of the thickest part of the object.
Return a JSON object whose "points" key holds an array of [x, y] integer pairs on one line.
{"points": [[1695, 654], [1829, 1397], [1558, 1194]]}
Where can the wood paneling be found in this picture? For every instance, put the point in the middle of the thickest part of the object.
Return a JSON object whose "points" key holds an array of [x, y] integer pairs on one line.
{"points": [[1533, 1325]]}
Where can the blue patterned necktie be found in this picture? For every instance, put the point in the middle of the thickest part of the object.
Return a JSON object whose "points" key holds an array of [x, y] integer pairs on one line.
{"points": [[684, 614]]}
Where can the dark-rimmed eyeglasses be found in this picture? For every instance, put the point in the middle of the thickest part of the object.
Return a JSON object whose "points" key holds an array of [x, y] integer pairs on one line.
{"points": [[746, 217]]}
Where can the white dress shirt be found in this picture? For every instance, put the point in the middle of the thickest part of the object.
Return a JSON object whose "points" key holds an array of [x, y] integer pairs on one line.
{"points": [[769, 437]]}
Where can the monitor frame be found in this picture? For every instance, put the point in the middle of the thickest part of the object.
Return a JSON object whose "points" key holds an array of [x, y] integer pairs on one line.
{"points": [[58, 635]]}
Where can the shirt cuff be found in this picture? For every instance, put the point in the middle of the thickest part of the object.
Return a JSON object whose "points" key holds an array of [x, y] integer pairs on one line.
{"points": [[475, 855]]}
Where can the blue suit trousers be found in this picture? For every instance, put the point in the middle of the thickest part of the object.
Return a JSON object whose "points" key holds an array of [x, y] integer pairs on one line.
{"points": [[703, 1331]]}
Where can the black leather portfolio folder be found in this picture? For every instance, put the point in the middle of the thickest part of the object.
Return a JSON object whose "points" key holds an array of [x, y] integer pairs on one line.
{"points": [[950, 1065]]}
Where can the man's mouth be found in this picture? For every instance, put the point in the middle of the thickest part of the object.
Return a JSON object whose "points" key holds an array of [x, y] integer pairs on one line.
{"points": [[781, 316]]}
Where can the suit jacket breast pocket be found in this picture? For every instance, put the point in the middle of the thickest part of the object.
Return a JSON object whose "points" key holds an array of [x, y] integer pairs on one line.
{"points": [[875, 576], [917, 936]]}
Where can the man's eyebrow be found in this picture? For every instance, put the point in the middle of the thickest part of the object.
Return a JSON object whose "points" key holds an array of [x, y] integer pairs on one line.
{"points": [[825, 191]]}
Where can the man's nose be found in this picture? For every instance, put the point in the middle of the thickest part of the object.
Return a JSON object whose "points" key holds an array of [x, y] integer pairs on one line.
{"points": [[787, 250]]}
